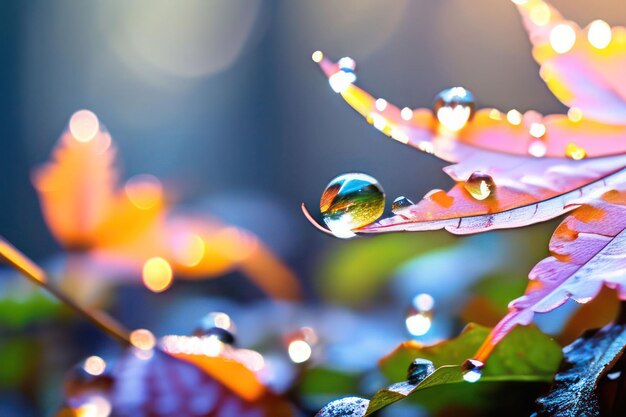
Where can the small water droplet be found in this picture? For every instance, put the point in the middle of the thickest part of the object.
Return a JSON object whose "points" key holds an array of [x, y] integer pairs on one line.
{"points": [[472, 370], [400, 204], [537, 148], [423, 302], [418, 370], [218, 325], [480, 185], [614, 375], [575, 152], [351, 201], [91, 374], [537, 130], [454, 107], [418, 323], [345, 407]]}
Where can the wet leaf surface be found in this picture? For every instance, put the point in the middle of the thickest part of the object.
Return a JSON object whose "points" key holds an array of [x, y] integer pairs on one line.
{"points": [[587, 360]]}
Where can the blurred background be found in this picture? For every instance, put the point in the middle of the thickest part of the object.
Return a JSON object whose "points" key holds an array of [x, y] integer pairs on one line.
{"points": [[221, 102]]}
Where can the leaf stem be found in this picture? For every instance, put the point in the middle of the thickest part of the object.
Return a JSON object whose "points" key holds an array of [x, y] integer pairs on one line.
{"points": [[29, 269]]}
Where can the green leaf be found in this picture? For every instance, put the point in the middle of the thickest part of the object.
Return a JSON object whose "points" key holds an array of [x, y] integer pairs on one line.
{"points": [[20, 306], [587, 360], [354, 273], [525, 355]]}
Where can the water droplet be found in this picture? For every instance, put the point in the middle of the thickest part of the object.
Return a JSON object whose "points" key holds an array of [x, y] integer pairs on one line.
{"points": [[418, 323], [406, 113], [575, 152], [418, 370], [480, 185], [599, 34], [614, 375], [562, 38], [537, 148], [472, 370], [90, 374], [537, 130], [300, 344], [423, 302], [351, 201], [345, 407], [343, 78], [218, 325], [454, 107], [347, 64], [514, 117], [575, 114], [317, 56], [400, 204]]}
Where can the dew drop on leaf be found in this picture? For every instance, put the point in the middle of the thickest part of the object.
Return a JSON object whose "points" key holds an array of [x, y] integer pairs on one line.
{"points": [[480, 185], [614, 375], [537, 148], [218, 325], [472, 370], [351, 201], [575, 152], [400, 204], [454, 107], [418, 370], [345, 407]]}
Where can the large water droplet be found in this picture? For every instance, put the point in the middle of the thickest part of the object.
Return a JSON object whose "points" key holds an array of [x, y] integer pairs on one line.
{"points": [[400, 204], [454, 107], [472, 370], [480, 185], [351, 201], [345, 407], [418, 370]]}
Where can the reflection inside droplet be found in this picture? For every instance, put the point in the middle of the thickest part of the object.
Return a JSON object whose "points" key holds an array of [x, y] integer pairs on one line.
{"points": [[351, 201]]}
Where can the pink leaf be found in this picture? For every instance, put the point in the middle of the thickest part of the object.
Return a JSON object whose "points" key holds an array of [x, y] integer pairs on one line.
{"points": [[587, 252], [583, 67]]}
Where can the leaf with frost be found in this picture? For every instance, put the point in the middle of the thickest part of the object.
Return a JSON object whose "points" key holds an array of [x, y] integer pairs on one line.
{"points": [[587, 360]]}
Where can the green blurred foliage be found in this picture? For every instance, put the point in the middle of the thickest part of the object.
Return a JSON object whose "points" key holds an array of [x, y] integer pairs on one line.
{"points": [[353, 273]]}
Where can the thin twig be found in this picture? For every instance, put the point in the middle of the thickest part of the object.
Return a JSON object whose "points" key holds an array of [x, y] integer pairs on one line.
{"points": [[29, 269]]}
